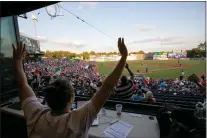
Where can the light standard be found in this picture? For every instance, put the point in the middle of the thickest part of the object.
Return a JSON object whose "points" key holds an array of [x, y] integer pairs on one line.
{"points": [[34, 18]]}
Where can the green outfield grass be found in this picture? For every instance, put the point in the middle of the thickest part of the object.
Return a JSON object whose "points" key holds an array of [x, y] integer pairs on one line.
{"points": [[158, 68]]}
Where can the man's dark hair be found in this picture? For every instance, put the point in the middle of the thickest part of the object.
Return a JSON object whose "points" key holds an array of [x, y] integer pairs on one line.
{"points": [[58, 94], [99, 84], [203, 77], [124, 80]]}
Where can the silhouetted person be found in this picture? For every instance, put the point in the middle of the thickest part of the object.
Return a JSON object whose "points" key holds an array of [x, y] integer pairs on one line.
{"points": [[57, 120]]}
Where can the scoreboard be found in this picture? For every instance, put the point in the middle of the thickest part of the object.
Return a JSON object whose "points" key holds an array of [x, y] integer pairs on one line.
{"points": [[32, 45]]}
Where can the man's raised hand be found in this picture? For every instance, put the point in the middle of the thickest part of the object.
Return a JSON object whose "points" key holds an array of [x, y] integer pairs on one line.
{"points": [[122, 47], [19, 52], [126, 66]]}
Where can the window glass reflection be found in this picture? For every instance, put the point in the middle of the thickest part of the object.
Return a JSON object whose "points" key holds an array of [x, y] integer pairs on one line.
{"points": [[8, 37]]}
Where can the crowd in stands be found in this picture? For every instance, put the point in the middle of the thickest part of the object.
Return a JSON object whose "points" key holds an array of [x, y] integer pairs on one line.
{"points": [[80, 73], [86, 81]]}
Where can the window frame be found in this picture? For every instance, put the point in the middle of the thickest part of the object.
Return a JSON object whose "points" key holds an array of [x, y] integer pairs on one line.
{"points": [[16, 28]]}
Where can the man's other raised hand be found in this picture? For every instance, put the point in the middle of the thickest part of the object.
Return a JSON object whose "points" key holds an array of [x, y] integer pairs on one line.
{"points": [[122, 47], [19, 52]]}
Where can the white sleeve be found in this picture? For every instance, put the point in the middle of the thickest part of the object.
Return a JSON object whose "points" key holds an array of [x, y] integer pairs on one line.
{"points": [[32, 109], [88, 113]]}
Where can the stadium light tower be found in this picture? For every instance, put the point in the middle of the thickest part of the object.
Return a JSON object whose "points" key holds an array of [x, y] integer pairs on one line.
{"points": [[34, 18]]}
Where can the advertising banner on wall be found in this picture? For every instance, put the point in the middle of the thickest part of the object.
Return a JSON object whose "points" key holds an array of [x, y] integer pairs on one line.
{"points": [[197, 58], [160, 59], [140, 56], [110, 58], [159, 55], [173, 58], [133, 57], [177, 54], [184, 58], [105, 58], [148, 58], [148, 55]]}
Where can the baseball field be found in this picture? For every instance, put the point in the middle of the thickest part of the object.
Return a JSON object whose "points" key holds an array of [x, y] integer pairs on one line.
{"points": [[162, 69]]}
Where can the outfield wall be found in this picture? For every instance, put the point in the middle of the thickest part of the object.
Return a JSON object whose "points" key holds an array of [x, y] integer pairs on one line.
{"points": [[134, 57], [186, 58], [112, 58], [197, 58]]}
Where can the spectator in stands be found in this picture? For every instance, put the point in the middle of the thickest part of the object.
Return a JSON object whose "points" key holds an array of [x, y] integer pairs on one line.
{"points": [[125, 89], [150, 82], [138, 96], [149, 97], [135, 85], [87, 87], [163, 84], [57, 120], [155, 84], [93, 85], [140, 88]]}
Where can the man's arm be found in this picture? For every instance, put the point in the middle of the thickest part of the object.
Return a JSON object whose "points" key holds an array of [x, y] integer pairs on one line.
{"points": [[30, 105], [104, 92], [25, 90], [130, 72], [202, 88]]}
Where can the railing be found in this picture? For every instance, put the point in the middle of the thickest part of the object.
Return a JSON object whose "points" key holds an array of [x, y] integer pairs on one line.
{"points": [[135, 106]]}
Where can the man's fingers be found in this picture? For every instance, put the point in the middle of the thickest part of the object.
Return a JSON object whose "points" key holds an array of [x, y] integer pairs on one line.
{"points": [[119, 40], [13, 47], [23, 48], [122, 40], [17, 46], [20, 46]]}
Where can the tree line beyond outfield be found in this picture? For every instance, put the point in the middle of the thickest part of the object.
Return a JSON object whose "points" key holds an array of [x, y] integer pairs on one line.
{"points": [[198, 52]]}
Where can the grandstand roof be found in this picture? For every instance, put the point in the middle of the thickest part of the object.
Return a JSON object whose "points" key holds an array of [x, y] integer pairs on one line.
{"points": [[10, 8]]}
